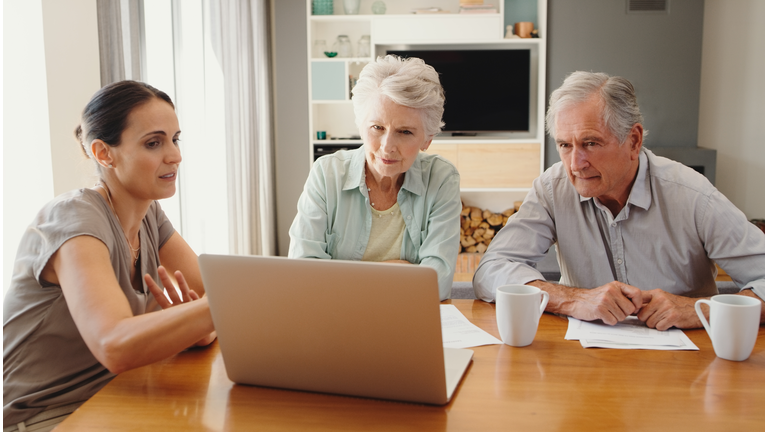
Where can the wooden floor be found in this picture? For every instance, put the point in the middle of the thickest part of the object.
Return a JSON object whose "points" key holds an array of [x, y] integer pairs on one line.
{"points": [[467, 263]]}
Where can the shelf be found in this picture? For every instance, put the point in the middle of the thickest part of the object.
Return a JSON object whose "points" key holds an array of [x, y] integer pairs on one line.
{"points": [[343, 59], [497, 168], [331, 102]]}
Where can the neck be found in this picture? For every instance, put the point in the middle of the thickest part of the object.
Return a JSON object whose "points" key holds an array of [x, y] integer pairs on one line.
{"points": [[129, 211], [616, 203], [383, 183]]}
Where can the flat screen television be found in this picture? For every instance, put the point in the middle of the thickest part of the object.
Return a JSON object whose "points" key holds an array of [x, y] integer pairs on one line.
{"points": [[485, 90]]}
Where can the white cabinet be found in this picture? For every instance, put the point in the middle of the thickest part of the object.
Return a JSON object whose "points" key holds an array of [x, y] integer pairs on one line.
{"points": [[496, 168]]}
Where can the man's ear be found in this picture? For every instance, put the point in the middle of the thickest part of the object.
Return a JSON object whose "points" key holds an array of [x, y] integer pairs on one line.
{"points": [[635, 139], [101, 153]]}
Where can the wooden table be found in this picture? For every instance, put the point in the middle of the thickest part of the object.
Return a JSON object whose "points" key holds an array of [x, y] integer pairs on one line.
{"points": [[552, 384]]}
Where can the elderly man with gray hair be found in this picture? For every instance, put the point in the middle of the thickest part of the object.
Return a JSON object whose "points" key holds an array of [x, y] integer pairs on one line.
{"points": [[635, 233]]}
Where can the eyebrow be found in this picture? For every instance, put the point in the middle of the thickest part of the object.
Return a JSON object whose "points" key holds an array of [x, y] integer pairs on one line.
{"points": [[160, 132]]}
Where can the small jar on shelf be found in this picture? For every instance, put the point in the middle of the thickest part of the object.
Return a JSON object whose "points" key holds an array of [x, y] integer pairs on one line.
{"points": [[343, 46], [364, 46]]}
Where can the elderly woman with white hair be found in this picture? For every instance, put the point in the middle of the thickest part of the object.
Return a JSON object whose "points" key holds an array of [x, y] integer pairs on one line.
{"points": [[386, 201]]}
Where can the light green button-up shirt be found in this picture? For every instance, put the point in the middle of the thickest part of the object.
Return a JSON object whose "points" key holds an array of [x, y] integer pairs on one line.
{"points": [[334, 217]]}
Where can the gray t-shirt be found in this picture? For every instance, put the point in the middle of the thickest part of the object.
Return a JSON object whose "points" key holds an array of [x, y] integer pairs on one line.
{"points": [[46, 362]]}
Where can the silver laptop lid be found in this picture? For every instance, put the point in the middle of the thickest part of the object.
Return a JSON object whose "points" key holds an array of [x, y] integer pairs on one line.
{"points": [[343, 327]]}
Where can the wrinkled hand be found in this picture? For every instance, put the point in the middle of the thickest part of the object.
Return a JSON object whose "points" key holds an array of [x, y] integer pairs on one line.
{"points": [[662, 310], [612, 302], [187, 295]]}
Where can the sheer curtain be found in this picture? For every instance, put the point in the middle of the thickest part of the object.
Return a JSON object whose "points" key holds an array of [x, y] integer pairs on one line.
{"points": [[212, 57], [121, 39], [240, 36]]}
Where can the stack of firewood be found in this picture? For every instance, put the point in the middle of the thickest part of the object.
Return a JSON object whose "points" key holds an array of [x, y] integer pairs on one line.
{"points": [[479, 226]]}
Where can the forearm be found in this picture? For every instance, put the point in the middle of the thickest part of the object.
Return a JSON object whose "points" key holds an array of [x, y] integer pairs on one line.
{"points": [[562, 299], [144, 339]]}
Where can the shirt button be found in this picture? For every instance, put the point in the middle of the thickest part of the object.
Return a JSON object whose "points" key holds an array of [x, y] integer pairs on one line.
{"points": [[409, 216], [619, 261], [613, 224]]}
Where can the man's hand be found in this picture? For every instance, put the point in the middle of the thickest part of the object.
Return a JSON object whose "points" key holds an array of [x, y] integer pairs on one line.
{"points": [[662, 310], [611, 303]]}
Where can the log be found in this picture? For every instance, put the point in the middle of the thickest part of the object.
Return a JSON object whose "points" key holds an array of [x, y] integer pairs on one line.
{"points": [[508, 212], [480, 248], [476, 214], [494, 219]]}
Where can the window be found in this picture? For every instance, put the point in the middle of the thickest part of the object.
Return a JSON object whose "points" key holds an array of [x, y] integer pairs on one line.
{"points": [[180, 60]]}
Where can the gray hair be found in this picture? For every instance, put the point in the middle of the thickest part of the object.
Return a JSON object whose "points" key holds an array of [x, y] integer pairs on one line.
{"points": [[409, 82], [620, 109]]}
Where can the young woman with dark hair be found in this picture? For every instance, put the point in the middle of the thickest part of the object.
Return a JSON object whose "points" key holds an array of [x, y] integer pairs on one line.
{"points": [[90, 267]]}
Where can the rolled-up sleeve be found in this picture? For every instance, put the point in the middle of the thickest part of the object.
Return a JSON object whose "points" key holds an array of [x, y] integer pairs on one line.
{"points": [[525, 239]]}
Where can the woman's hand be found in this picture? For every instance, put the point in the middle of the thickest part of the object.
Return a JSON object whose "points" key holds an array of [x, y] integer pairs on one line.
{"points": [[187, 295]]}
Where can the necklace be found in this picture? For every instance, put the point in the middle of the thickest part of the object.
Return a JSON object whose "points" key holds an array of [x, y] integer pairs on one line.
{"points": [[133, 251]]}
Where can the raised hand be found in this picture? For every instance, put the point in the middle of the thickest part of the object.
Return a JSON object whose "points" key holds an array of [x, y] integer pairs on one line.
{"points": [[187, 295]]}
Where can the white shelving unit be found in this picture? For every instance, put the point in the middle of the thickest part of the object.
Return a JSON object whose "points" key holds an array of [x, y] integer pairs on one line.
{"points": [[496, 169]]}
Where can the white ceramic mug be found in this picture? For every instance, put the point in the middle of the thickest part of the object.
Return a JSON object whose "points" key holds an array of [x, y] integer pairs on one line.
{"points": [[518, 309], [733, 324]]}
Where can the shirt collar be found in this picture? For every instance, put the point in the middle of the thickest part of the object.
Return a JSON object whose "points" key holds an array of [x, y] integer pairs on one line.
{"points": [[413, 179], [356, 177], [640, 195]]}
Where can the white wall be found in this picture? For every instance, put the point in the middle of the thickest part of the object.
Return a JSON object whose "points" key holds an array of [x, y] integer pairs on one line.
{"points": [[27, 177], [732, 103], [40, 156]]}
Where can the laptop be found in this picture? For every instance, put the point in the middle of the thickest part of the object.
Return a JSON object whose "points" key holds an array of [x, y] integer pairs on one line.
{"points": [[342, 327]]}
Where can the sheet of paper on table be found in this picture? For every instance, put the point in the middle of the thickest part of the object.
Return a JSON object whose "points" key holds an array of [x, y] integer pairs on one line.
{"points": [[628, 334], [458, 332]]}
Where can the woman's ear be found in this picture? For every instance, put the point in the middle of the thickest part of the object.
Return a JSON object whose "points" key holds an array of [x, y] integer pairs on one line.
{"points": [[101, 153], [426, 144]]}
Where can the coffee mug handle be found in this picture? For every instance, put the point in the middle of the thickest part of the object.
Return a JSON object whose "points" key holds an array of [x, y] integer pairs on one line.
{"points": [[544, 301], [697, 307]]}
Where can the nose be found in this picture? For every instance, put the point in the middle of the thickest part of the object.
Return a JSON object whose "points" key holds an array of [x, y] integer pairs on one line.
{"points": [[579, 159], [388, 143], [173, 155]]}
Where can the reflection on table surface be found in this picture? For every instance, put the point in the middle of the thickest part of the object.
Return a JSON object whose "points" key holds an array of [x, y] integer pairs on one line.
{"points": [[552, 384]]}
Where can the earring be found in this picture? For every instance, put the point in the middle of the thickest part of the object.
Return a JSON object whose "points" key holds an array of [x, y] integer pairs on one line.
{"points": [[110, 166]]}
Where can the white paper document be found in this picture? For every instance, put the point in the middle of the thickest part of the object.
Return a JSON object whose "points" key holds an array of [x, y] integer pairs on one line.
{"points": [[458, 332], [628, 334]]}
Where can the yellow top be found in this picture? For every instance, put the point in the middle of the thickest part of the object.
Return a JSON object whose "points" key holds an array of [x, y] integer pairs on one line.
{"points": [[386, 240]]}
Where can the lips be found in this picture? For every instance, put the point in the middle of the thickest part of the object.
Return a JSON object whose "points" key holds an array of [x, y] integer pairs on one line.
{"points": [[168, 176]]}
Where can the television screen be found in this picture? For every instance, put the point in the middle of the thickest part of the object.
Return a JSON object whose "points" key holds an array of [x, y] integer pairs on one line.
{"points": [[485, 90]]}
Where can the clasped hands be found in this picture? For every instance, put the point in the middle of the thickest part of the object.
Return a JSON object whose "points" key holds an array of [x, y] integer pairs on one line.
{"points": [[187, 295], [615, 301]]}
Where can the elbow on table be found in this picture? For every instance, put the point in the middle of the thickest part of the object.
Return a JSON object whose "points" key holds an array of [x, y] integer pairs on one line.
{"points": [[114, 354]]}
